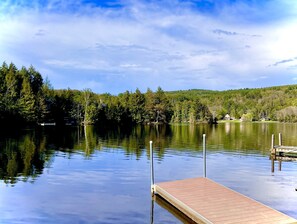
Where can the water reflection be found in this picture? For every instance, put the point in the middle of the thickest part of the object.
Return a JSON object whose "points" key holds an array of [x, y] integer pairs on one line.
{"points": [[152, 211], [168, 207], [101, 174], [24, 156]]}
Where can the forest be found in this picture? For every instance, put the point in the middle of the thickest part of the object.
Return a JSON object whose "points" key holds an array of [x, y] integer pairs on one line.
{"points": [[26, 98]]}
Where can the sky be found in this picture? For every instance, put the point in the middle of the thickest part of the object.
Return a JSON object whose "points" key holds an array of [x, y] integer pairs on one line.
{"points": [[114, 45]]}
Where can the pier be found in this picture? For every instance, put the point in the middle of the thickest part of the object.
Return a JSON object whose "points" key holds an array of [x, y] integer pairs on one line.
{"points": [[280, 149], [205, 201], [281, 153]]}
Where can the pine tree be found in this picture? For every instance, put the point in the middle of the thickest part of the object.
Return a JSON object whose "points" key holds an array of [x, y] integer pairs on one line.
{"points": [[137, 106], [27, 102]]}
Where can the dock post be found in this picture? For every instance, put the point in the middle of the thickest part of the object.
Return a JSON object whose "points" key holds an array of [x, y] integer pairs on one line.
{"points": [[280, 165], [152, 209], [204, 155], [272, 164], [152, 168], [280, 140], [272, 144]]}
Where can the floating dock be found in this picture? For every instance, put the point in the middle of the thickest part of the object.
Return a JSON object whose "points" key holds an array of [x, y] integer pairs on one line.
{"points": [[205, 201]]}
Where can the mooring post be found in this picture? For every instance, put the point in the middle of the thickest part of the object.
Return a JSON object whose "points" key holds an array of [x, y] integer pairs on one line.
{"points": [[272, 143], [280, 165], [152, 168], [204, 155], [152, 209], [280, 140], [272, 164]]}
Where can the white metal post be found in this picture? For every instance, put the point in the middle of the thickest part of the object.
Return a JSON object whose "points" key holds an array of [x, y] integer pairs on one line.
{"points": [[204, 155], [152, 167]]}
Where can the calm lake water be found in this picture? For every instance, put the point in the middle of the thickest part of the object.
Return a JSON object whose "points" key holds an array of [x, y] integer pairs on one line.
{"points": [[102, 175]]}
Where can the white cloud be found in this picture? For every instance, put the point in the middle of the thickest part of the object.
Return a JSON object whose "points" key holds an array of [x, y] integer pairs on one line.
{"points": [[173, 47]]}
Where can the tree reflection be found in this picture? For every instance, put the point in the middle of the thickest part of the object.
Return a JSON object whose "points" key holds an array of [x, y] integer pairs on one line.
{"points": [[24, 157], [21, 158], [92, 142]]}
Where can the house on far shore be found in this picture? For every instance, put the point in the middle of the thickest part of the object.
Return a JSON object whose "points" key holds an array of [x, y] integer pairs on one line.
{"points": [[227, 117], [265, 119]]}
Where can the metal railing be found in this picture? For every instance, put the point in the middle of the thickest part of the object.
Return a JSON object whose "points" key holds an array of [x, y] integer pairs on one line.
{"points": [[152, 162]]}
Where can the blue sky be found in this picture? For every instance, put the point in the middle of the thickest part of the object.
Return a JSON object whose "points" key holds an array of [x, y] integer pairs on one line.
{"points": [[114, 46]]}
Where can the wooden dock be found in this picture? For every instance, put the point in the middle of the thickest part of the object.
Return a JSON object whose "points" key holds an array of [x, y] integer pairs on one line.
{"points": [[285, 158], [205, 201], [280, 149]]}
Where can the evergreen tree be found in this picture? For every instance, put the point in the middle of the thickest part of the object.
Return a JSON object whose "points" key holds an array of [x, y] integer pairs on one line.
{"points": [[137, 106], [149, 106], [12, 85], [35, 80], [27, 102]]}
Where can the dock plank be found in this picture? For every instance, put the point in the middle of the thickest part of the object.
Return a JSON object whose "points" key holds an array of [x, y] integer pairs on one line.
{"points": [[206, 201], [284, 149]]}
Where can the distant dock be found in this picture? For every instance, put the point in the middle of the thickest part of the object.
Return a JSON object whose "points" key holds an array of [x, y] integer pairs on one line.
{"points": [[205, 201], [47, 124], [281, 150], [281, 153]]}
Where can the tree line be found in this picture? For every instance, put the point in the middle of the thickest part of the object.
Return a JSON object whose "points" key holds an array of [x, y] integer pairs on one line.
{"points": [[22, 96], [25, 98], [277, 103]]}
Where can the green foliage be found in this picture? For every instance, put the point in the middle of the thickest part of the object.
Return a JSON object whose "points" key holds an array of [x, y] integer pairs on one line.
{"points": [[190, 111], [247, 117], [27, 103], [288, 114], [137, 106], [259, 104], [158, 108], [21, 97], [25, 98]]}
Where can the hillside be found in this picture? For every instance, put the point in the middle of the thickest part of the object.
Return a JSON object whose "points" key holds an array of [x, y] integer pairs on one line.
{"points": [[272, 103]]}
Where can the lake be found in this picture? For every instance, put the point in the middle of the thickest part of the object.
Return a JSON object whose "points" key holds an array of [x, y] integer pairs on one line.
{"points": [[102, 175]]}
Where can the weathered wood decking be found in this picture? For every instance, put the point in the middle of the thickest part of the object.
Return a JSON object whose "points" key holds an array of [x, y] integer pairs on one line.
{"points": [[278, 149], [206, 201], [282, 149], [285, 158]]}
